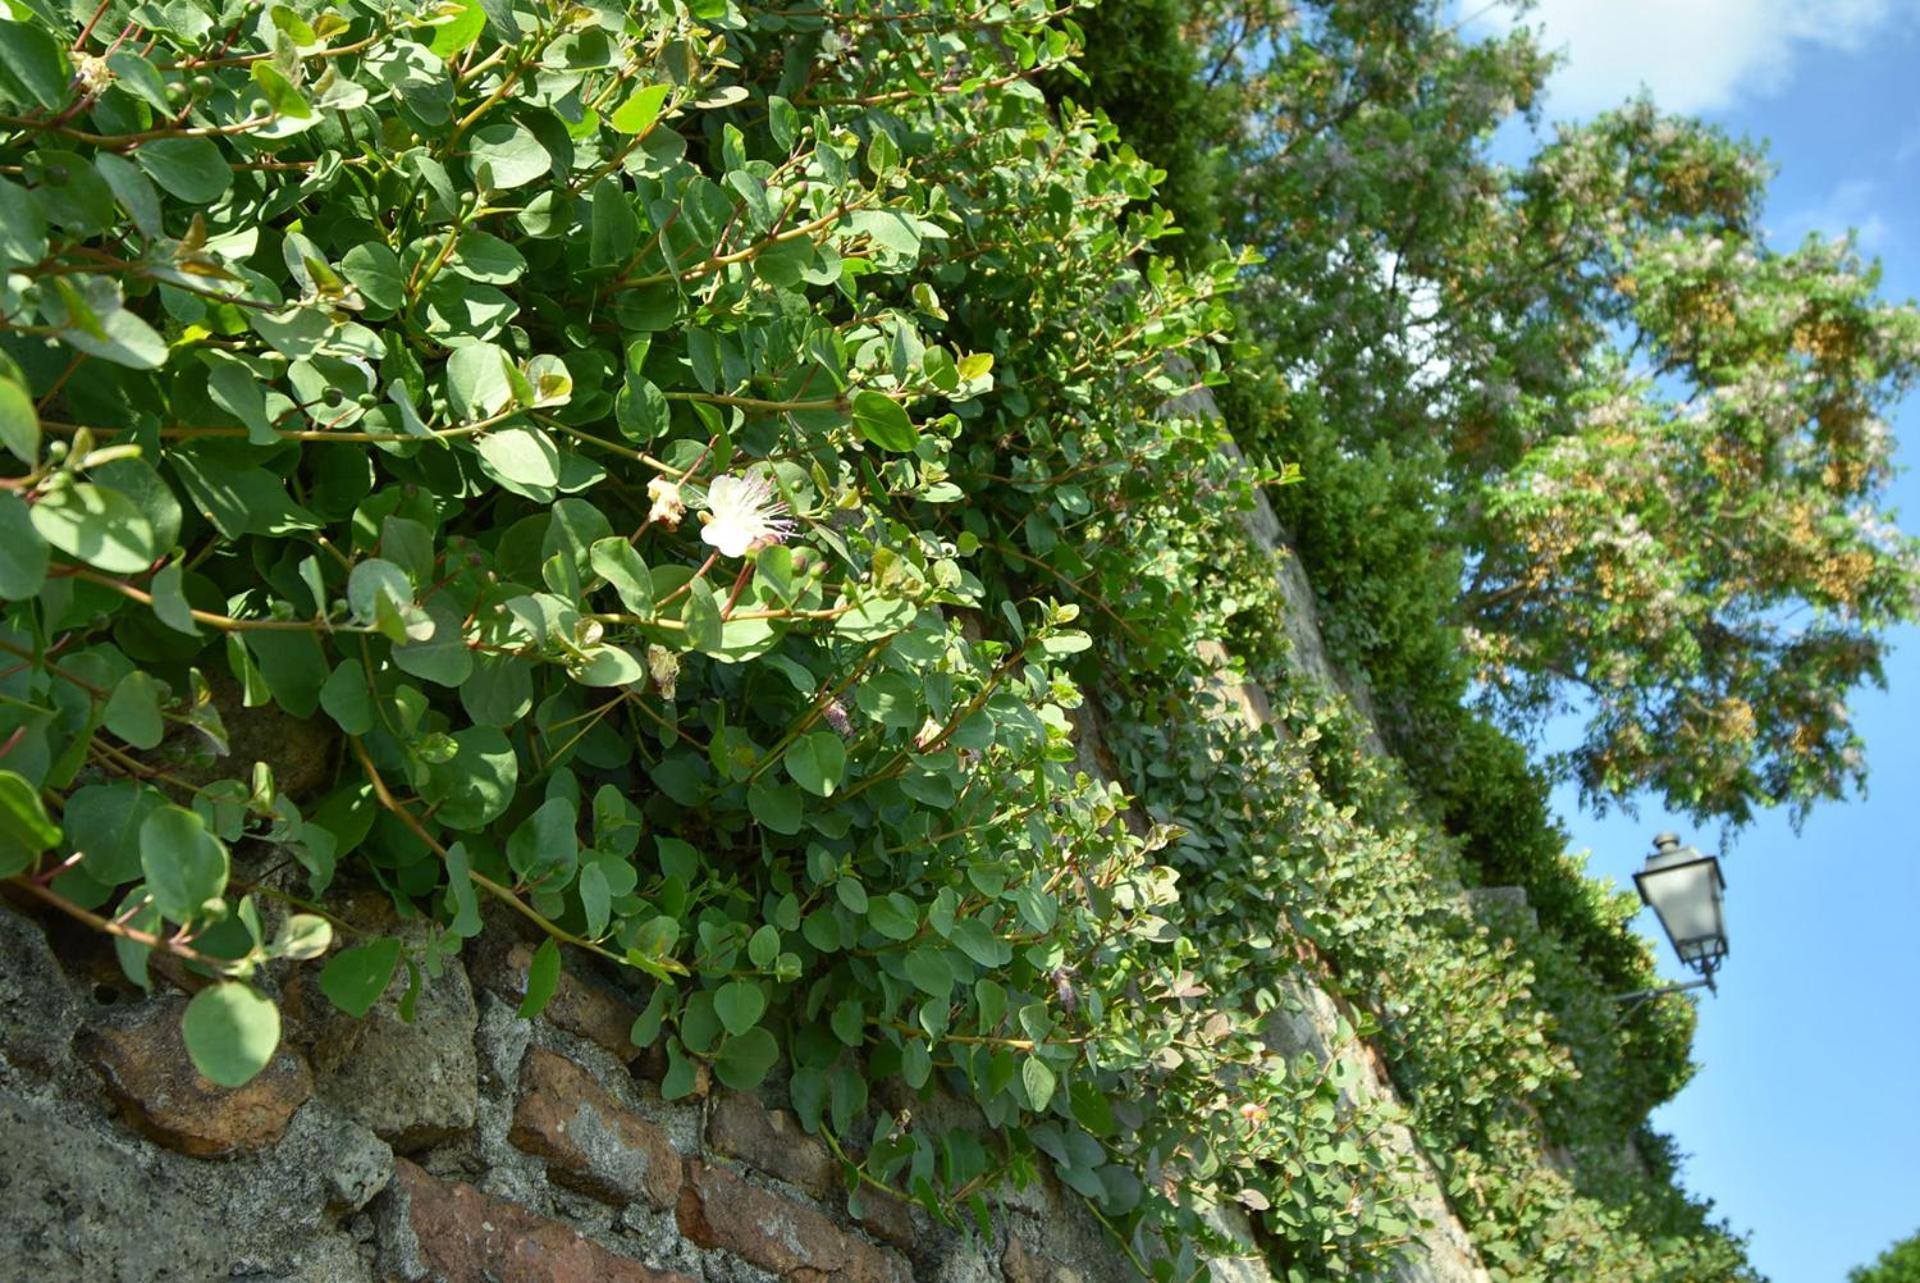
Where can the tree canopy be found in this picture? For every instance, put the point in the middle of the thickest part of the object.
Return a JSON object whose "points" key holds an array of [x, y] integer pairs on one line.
{"points": [[1650, 441]]}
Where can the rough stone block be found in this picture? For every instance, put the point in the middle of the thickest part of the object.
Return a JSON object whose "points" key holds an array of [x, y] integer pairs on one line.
{"points": [[432, 1229], [413, 1084], [590, 1141], [771, 1140], [142, 1057], [795, 1241], [578, 1006]]}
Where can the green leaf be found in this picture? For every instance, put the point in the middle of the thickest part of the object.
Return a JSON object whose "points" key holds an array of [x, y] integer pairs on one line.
{"points": [[777, 806], [478, 382], [764, 946], [521, 458], [817, 762], [192, 169], [135, 192], [642, 107], [452, 35], [547, 842], [876, 618], [19, 422], [185, 865], [115, 335], [614, 227], [25, 829], [375, 271], [347, 699], [616, 561], [596, 899], [894, 916], [103, 827], [884, 421], [916, 1064], [543, 977], [133, 710], [354, 979], [608, 666], [973, 938], [231, 1031], [929, 972], [33, 68], [303, 936], [170, 605], [743, 1062], [640, 408], [99, 526], [486, 258], [512, 154], [23, 227], [23, 550], [466, 901], [475, 786], [1039, 1080], [236, 389], [739, 1004]]}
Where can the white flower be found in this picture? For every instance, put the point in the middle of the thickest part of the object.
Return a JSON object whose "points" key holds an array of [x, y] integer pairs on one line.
{"points": [[668, 506], [743, 515]]}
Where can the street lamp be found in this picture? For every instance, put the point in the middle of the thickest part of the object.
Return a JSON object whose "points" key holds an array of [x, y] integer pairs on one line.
{"points": [[1685, 889]]}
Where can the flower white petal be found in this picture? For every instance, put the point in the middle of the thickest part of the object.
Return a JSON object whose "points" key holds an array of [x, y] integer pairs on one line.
{"points": [[743, 513]]}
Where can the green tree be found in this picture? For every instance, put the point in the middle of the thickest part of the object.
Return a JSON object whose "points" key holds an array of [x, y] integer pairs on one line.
{"points": [[1898, 1264], [1652, 441]]}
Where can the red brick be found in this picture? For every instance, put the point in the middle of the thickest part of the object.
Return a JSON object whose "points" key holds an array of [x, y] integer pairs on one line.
{"points": [[795, 1241], [1024, 1265], [578, 1005], [772, 1140], [590, 1140], [466, 1235], [143, 1058]]}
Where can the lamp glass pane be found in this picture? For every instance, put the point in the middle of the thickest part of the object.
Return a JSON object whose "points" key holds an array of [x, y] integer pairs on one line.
{"points": [[1687, 900]]}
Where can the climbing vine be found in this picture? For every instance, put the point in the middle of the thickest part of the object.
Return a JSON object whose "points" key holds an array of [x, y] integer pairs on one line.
{"points": [[685, 477]]}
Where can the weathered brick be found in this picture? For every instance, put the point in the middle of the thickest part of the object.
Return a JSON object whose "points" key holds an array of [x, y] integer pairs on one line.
{"points": [[143, 1058], [590, 1140], [887, 1217], [578, 1005], [458, 1233], [795, 1241], [771, 1140], [1024, 1265]]}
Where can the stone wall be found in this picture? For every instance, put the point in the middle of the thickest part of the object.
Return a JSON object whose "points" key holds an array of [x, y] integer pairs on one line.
{"points": [[467, 1145]]}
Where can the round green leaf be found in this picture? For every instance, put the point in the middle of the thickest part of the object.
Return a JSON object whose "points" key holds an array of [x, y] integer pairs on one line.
{"points": [[354, 979], [511, 153], [817, 762], [186, 866], [101, 527], [194, 169], [884, 421], [231, 1032], [23, 550], [25, 829], [739, 1004], [742, 1062]]}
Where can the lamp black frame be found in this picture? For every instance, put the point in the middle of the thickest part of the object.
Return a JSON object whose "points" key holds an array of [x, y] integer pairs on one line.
{"points": [[1708, 961]]}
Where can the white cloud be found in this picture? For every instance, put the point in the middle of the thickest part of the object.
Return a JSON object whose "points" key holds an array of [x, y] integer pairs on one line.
{"points": [[1850, 207], [1694, 55]]}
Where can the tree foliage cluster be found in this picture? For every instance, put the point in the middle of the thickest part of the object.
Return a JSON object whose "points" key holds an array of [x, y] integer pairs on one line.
{"points": [[697, 463]]}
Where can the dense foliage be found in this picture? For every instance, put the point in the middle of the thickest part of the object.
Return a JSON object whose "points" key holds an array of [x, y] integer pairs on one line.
{"points": [[701, 473], [1898, 1264]]}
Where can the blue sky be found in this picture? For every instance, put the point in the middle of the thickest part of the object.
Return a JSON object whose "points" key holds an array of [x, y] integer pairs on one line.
{"points": [[1803, 1124]]}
